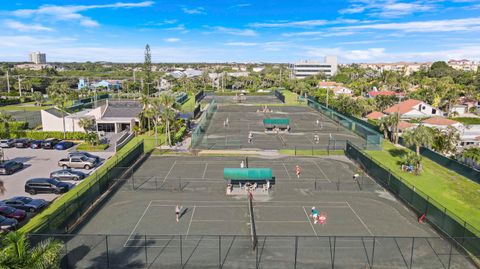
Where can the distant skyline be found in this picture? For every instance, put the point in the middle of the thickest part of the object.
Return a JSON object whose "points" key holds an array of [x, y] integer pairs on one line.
{"points": [[241, 30]]}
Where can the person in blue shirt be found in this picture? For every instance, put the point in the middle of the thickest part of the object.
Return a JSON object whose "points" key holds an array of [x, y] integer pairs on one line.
{"points": [[314, 214]]}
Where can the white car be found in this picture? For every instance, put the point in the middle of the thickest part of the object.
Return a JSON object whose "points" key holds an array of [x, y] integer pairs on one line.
{"points": [[6, 143]]}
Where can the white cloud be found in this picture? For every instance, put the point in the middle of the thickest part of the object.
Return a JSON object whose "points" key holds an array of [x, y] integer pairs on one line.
{"points": [[194, 10], [388, 8], [280, 24], [16, 25], [240, 5], [469, 24], [307, 33], [171, 39], [234, 31], [27, 41], [72, 12], [241, 44]]}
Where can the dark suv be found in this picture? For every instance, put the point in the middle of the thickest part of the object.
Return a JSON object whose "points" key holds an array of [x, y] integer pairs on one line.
{"points": [[22, 143], [50, 143], [46, 185], [10, 167]]}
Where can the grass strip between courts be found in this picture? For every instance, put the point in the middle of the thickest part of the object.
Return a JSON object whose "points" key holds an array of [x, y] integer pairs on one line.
{"points": [[309, 152]]}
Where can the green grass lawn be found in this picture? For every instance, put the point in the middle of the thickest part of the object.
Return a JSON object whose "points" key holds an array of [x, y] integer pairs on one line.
{"points": [[291, 98], [453, 191], [188, 106], [308, 152], [149, 141], [87, 147], [24, 107], [467, 121]]}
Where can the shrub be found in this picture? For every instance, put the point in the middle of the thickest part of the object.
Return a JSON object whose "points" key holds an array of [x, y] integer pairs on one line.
{"points": [[179, 135]]}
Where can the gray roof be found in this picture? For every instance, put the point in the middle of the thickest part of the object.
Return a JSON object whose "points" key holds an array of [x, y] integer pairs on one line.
{"points": [[122, 109], [55, 112]]}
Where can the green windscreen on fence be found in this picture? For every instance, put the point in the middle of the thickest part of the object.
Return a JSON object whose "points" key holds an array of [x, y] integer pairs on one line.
{"points": [[203, 122], [276, 121], [246, 174], [437, 215], [373, 139]]}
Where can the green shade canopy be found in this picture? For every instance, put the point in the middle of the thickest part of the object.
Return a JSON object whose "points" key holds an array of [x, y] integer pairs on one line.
{"points": [[247, 174], [276, 121]]}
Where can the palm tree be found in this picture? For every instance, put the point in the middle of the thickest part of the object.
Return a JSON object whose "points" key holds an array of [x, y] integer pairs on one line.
{"points": [[383, 124], [445, 141], [5, 120], [420, 136], [18, 253], [145, 101], [58, 93], [86, 123], [472, 154], [393, 120], [154, 112], [168, 115], [38, 97]]}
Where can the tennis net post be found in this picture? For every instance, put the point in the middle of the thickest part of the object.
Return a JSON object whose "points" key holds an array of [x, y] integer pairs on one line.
{"points": [[253, 231]]}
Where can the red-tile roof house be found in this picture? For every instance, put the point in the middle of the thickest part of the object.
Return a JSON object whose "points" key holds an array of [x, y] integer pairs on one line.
{"points": [[411, 109], [375, 115], [441, 123], [373, 94]]}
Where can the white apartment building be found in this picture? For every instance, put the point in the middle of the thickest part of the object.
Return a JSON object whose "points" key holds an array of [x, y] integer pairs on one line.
{"points": [[38, 58], [310, 68], [464, 65]]}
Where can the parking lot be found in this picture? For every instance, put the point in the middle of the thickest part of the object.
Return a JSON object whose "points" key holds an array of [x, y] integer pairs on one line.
{"points": [[37, 163]]}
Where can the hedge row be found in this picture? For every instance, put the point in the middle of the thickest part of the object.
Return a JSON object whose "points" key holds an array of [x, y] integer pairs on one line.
{"points": [[14, 126], [14, 101], [44, 135]]}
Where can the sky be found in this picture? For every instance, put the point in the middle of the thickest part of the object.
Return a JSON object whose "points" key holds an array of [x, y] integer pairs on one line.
{"points": [[241, 30]]}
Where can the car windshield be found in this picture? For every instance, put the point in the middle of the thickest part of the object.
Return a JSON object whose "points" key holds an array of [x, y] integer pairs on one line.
{"points": [[26, 200], [83, 158]]}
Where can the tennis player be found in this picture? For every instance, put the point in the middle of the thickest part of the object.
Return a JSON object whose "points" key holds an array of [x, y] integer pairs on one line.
{"points": [[177, 213], [298, 171], [314, 214]]}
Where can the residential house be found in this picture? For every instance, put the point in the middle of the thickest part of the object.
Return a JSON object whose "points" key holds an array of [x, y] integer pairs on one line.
{"points": [[413, 109], [404, 126], [470, 136], [442, 123], [375, 115], [375, 93]]}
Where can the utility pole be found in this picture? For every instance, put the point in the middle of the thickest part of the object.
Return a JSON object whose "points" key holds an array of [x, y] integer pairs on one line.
{"points": [[134, 77], [20, 86], [8, 82]]}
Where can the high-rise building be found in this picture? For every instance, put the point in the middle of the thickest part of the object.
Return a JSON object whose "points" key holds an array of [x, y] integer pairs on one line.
{"points": [[38, 58], [310, 68]]}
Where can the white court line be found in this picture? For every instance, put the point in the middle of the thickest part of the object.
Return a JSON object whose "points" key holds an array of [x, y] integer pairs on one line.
{"points": [[205, 170], [169, 171], [309, 221], [321, 170], [138, 222], [266, 221], [257, 202], [191, 219], [286, 170], [360, 219]]}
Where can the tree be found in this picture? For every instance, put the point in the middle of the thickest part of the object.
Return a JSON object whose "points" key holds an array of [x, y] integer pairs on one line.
{"points": [[147, 69], [18, 253], [383, 124], [445, 140], [5, 120], [154, 112], [472, 154], [86, 123], [412, 159], [392, 121], [38, 98], [168, 114], [420, 136], [58, 93]]}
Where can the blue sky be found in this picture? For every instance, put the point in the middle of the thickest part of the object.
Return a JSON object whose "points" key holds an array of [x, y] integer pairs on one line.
{"points": [[241, 30]]}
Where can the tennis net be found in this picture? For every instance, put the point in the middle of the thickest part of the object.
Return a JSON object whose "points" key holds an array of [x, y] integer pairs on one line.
{"points": [[253, 230]]}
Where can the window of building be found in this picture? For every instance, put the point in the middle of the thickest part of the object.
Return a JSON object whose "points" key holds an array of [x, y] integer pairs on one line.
{"points": [[106, 127]]}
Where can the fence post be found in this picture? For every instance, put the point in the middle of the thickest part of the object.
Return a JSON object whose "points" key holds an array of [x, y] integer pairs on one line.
{"points": [[295, 150], [312, 151], [106, 247], [334, 247], [181, 252], [450, 255], [373, 252], [411, 253], [145, 248], [296, 249], [219, 252]]}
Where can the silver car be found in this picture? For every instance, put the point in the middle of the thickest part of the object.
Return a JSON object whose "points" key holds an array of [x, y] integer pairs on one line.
{"points": [[7, 143]]}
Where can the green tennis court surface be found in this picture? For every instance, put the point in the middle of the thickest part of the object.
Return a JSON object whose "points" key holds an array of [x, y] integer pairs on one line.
{"points": [[305, 123], [138, 227]]}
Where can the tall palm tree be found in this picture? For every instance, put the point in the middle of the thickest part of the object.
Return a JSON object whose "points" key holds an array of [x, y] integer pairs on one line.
{"points": [[168, 114], [393, 120], [86, 123], [59, 93], [445, 141], [38, 97], [383, 124], [18, 253], [420, 136]]}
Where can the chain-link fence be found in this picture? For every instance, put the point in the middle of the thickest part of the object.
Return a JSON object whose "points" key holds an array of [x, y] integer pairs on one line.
{"points": [[234, 251], [34, 118], [203, 122], [446, 221]]}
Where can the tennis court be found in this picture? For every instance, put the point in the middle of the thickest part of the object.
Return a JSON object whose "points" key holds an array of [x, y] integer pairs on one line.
{"points": [[232, 124], [246, 99], [215, 229]]}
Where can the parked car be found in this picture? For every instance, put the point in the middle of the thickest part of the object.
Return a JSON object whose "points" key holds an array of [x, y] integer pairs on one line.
{"points": [[77, 162], [84, 153], [6, 143], [46, 185], [12, 213], [36, 144], [67, 174], [50, 143], [10, 167], [63, 145], [25, 203], [22, 143], [7, 224]]}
